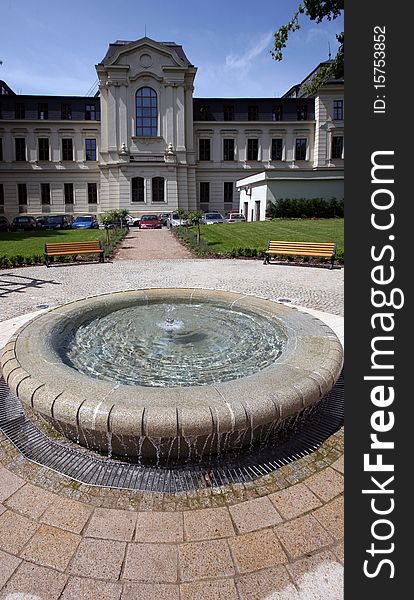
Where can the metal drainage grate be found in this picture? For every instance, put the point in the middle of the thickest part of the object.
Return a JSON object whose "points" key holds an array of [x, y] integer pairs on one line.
{"points": [[305, 435]]}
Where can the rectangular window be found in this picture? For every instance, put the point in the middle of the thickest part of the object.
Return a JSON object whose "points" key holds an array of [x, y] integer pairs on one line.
{"points": [[1, 148], [43, 148], [338, 110], [45, 193], [42, 111], [19, 110], [302, 112], [158, 187], [1, 195], [137, 189], [22, 193], [68, 193], [228, 149], [204, 149], [252, 149], [277, 148], [92, 193], [228, 192], [20, 146], [337, 146], [228, 112], [67, 149], [66, 112], [90, 149], [277, 113], [204, 193], [252, 112], [300, 149], [90, 112]]}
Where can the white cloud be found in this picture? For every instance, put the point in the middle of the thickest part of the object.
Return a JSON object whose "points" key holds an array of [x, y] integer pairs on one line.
{"points": [[243, 61]]}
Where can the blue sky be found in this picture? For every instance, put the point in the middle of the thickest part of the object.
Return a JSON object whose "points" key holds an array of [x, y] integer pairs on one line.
{"points": [[52, 47]]}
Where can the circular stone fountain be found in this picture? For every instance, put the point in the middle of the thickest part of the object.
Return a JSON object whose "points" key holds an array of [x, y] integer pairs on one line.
{"points": [[171, 374]]}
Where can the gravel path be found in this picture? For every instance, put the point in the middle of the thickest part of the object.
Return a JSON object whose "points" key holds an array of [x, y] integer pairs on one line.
{"points": [[143, 244]]}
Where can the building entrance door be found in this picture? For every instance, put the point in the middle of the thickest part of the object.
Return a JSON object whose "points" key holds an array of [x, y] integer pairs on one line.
{"points": [[257, 210]]}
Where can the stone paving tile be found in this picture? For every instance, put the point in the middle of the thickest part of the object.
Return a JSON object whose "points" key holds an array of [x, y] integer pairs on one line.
{"points": [[331, 516], [338, 550], [254, 514], [257, 550], [78, 588], [294, 501], [9, 483], [30, 500], [2, 509], [208, 524], [51, 547], [302, 535], [338, 465], [319, 577], [270, 584], [111, 524], [98, 558], [151, 563], [223, 589], [67, 514], [150, 591], [326, 484], [33, 582], [8, 564], [161, 527], [15, 531], [202, 560]]}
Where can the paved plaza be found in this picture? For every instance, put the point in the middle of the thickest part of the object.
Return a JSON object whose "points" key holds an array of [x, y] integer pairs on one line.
{"points": [[277, 538]]}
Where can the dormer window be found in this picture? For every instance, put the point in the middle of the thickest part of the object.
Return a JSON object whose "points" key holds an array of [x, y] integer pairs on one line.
{"points": [[302, 112], [146, 112]]}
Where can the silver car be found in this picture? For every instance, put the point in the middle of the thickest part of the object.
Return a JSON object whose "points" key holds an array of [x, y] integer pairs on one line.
{"points": [[212, 218], [174, 220]]}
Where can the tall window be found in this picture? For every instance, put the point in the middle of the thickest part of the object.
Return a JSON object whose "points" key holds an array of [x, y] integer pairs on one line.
{"points": [[252, 112], [20, 146], [300, 149], [158, 189], [302, 112], [1, 196], [22, 193], [43, 149], [45, 193], [66, 112], [337, 146], [42, 111], [338, 110], [228, 149], [228, 192], [67, 149], [277, 148], [146, 112], [277, 113], [228, 112], [90, 112], [19, 110], [1, 148], [137, 189], [92, 193], [252, 149], [68, 193], [204, 151], [90, 149], [204, 194]]}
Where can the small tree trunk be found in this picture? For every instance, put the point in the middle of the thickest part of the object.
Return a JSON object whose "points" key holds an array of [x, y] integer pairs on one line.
{"points": [[198, 234]]}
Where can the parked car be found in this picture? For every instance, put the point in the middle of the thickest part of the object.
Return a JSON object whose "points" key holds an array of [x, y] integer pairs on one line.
{"points": [[4, 224], [58, 222], [174, 220], [132, 221], [150, 222], [235, 217], [24, 223], [163, 217], [211, 218], [85, 222], [41, 221]]}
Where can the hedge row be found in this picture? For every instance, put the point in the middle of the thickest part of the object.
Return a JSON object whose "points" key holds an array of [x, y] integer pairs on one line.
{"points": [[301, 208]]}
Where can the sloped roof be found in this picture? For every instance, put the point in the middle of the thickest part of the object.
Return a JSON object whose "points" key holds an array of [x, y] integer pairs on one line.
{"points": [[115, 46], [298, 90]]}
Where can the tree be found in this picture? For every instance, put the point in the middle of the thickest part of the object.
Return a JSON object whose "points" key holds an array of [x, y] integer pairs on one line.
{"points": [[195, 219], [316, 10]]}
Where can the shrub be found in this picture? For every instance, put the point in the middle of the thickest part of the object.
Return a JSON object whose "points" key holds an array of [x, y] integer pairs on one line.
{"points": [[305, 208]]}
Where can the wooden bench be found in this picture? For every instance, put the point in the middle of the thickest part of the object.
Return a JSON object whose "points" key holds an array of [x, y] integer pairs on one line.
{"points": [[73, 248], [316, 249]]}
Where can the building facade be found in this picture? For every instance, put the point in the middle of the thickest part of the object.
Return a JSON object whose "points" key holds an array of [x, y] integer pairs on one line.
{"points": [[143, 143]]}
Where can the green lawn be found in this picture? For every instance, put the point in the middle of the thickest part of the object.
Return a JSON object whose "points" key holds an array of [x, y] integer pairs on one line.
{"points": [[29, 243], [223, 239]]}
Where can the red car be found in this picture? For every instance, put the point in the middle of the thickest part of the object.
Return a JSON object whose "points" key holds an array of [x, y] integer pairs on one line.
{"points": [[150, 222]]}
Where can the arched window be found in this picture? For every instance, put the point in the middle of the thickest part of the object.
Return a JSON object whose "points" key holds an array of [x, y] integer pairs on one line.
{"points": [[158, 189], [137, 189], [146, 112]]}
